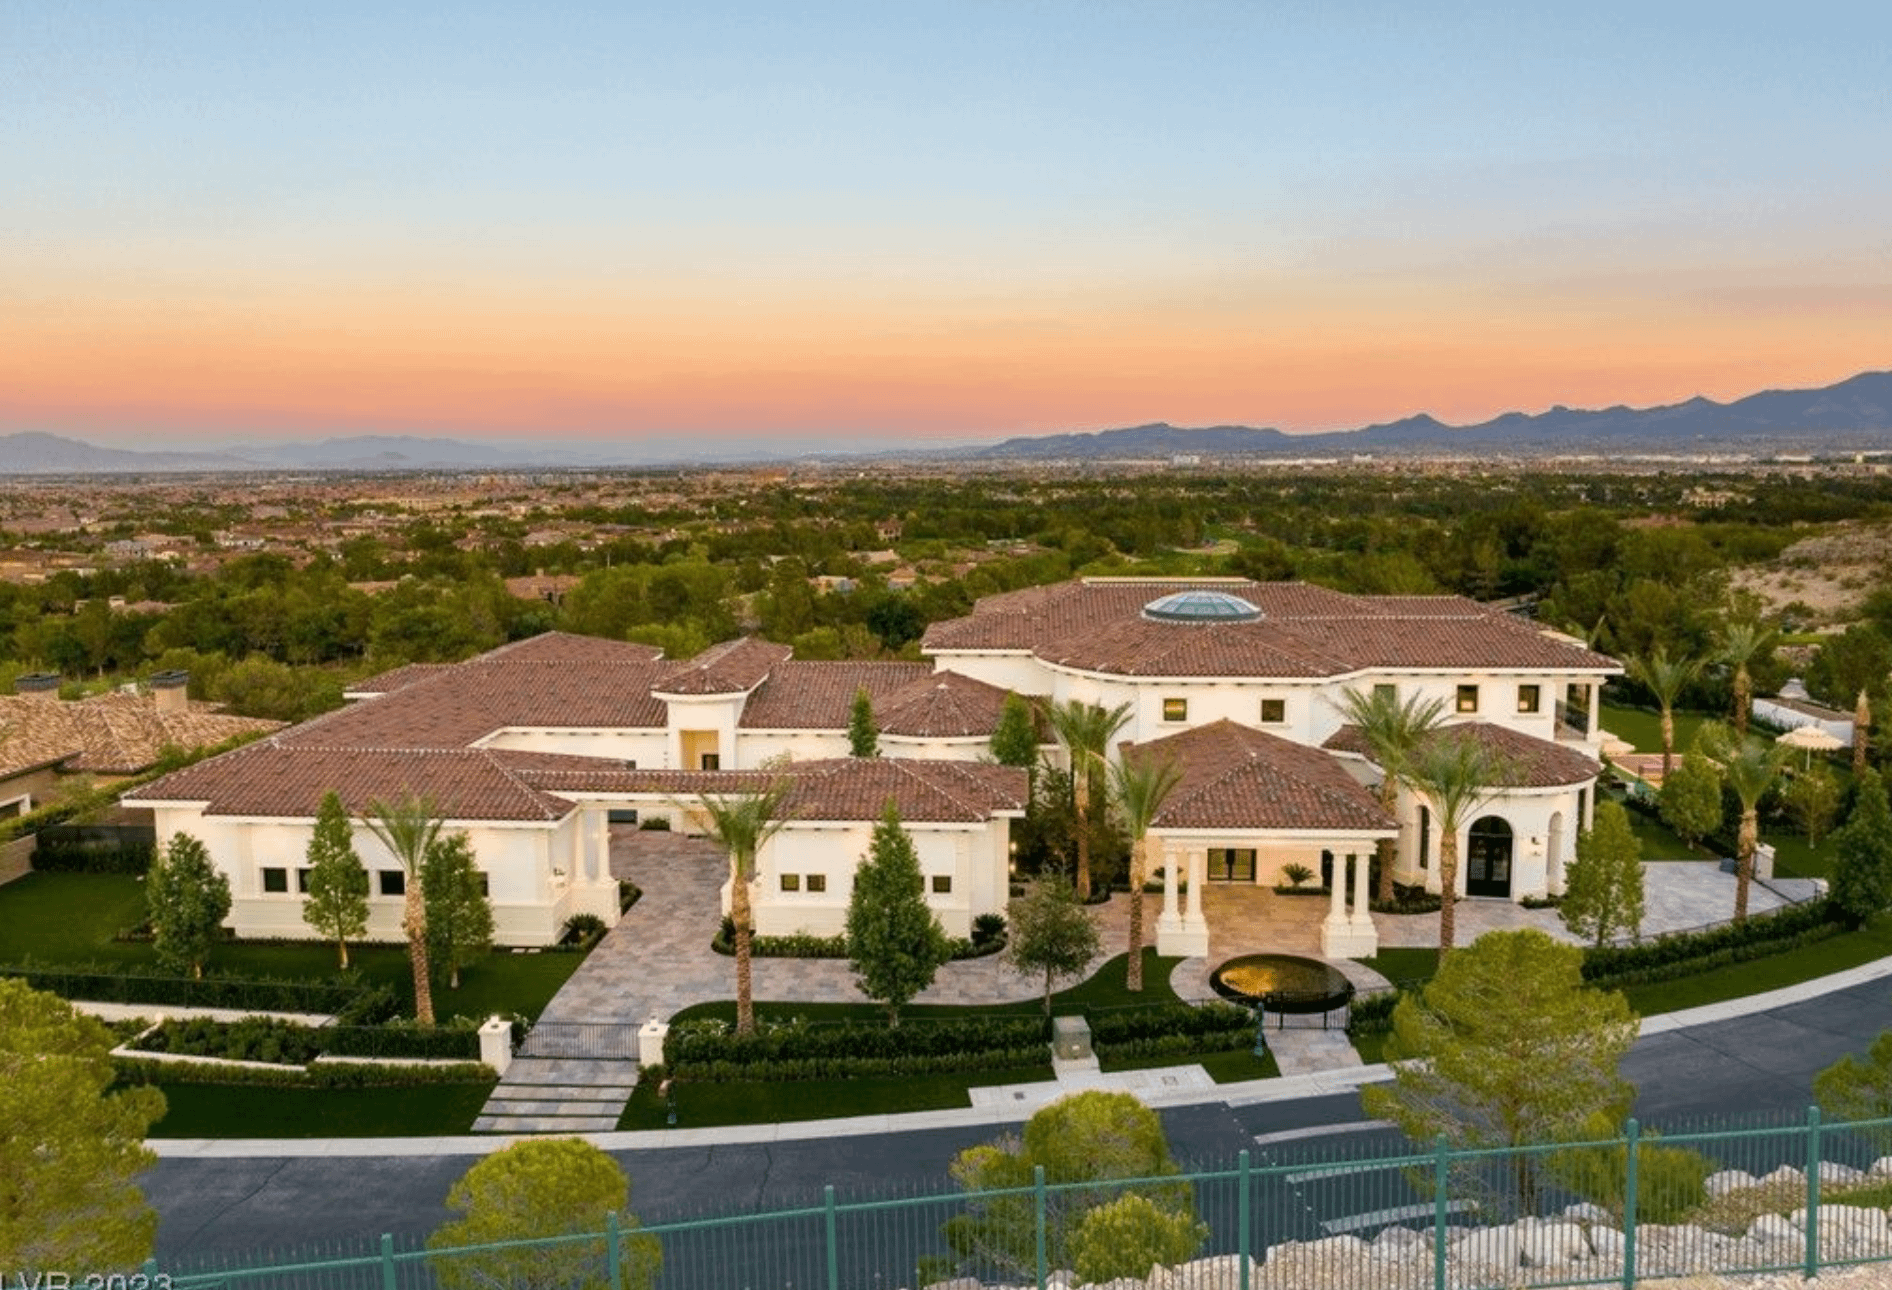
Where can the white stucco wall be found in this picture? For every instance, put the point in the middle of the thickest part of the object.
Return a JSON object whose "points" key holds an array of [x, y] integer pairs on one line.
{"points": [[974, 857], [1539, 851]]}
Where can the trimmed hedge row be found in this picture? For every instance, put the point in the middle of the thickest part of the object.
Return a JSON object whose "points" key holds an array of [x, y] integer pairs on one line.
{"points": [[1742, 953], [1219, 1041], [101, 983], [804, 946], [134, 859], [843, 1066], [132, 1070], [1179, 1020], [702, 1043], [1777, 932], [458, 1039], [253, 1039]]}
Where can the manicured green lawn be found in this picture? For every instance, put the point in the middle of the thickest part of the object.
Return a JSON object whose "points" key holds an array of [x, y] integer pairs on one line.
{"points": [[1644, 729], [1738, 980], [249, 1111], [1401, 965], [1659, 842], [778, 1102], [73, 917]]}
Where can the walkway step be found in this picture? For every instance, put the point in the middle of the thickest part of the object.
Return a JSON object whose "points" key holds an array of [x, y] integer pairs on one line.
{"points": [[571, 1070], [498, 1105], [563, 1092], [545, 1124]]}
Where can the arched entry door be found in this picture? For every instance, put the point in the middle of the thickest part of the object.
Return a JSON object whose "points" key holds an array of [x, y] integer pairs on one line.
{"points": [[1488, 858]]}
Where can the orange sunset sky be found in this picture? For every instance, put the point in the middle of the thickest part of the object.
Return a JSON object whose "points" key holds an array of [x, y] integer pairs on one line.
{"points": [[931, 222]]}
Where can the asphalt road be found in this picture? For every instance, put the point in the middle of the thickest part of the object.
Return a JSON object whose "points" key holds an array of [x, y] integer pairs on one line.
{"points": [[1759, 1066]]}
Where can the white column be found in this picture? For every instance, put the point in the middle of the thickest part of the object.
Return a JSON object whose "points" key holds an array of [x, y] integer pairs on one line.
{"points": [[1187, 936], [1361, 913], [1595, 709], [1342, 937], [1171, 916]]}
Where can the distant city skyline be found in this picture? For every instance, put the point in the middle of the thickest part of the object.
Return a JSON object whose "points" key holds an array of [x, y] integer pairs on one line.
{"points": [[925, 222]]}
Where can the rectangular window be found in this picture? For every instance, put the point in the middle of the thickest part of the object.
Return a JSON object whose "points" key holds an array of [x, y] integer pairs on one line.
{"points": [[276, 880], [1468, 698], [817, 882], [1527, 698], [393, 882], [486, 886], [712, 761], [791, 882], [302, 881], [1425, 838], [1274, 711], [1175, 709], [1386, 691], [942, 884]]}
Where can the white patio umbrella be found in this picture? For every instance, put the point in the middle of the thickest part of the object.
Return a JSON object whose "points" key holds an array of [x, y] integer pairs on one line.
{"points": [[1810, 739], [1615, 746]]}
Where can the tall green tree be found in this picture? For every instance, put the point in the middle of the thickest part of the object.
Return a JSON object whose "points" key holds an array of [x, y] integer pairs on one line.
{"points": [[337, 904], [459, 912], [71, 1143], [408, 828], [740, 825], [1458, 775], [1110, 1139], [1506, 1046], [1052, 933], [1812, 799], [1139, 787], [538, 1190], [1015, 741], [1743, 643], [1394, 729], [1665, 678], [863, 732], [1862, 854], [1603, 894], [1749, 771], [1689, 800], [895, 944], [1085, 730], [187, 900]]}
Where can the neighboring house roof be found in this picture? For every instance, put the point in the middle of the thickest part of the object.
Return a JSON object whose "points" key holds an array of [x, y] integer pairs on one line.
{"points": [[943, 705], [1235, 777], [1099, 624], [820, 695], [110, 734], [840, 788], [1524, 761]]}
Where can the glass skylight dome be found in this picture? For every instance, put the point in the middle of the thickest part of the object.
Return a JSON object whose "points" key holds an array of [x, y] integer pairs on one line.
{"points": [[1201, 607]]}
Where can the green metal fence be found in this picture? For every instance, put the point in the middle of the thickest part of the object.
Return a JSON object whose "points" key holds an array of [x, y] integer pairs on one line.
{"points": [[1795, 1196]]}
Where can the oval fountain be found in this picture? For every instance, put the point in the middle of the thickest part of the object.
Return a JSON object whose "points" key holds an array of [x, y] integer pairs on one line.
{"points": [[1282, 983]]}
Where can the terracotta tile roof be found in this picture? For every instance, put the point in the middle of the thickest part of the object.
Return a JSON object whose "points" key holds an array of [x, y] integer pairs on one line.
{"points": [[944, 705], [110, 734], [1527, 761], [820, 695], [733, 667], [398, 678], [842, 788], [565, 647], [289, 780], [1098, 625], [1235, 777]]}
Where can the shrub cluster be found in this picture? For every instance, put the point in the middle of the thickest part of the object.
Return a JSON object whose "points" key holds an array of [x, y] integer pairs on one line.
{"points": [[1681, 954], [799, 1049], [628, 894], [125, 858], [103, 983], [1372, 1014], [251, 1039], [581, 932], [1414, 899], [455, 1040]]}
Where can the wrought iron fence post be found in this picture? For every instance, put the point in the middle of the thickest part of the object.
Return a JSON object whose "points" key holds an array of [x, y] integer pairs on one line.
{"points": [[1813, 1193], [1038, 1196], [1632, 1136], [613, 1251], [834, 1244], [387, 1261], [1244, 1238], [1441, 1206]]}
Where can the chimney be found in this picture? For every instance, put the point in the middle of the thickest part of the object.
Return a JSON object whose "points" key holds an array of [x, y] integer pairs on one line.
{"points": [[37, 685], [169, 689]]}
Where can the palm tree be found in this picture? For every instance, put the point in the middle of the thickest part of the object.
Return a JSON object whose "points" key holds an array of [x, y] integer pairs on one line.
{"points": [[408, 828], [1458, 775], [1742, 643], [1085, 730], [742, 825], [1393, 730], [1665, 678], [1750, 770], [1139, 787]]}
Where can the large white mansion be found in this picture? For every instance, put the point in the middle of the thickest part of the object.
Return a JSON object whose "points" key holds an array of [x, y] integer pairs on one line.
{"points": [[537, 748]]}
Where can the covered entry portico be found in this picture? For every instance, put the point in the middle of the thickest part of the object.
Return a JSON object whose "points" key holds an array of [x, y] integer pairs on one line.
{"points": [[1247, 806]]}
